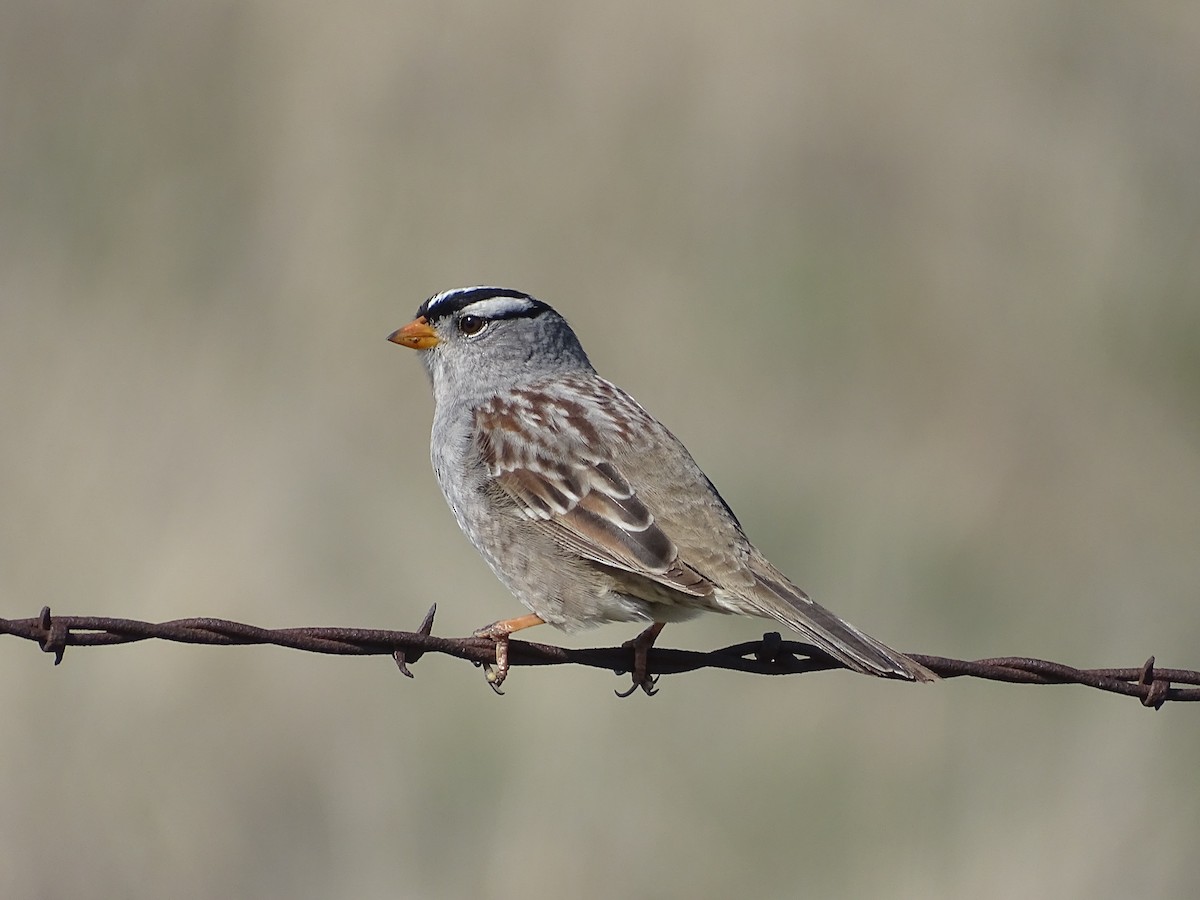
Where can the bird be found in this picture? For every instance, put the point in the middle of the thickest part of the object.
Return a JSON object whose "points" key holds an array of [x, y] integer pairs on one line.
{"points": [[585, 506]]}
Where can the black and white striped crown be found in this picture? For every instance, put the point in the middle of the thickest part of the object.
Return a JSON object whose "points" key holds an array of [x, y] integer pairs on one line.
{"points": [[483, 301]]}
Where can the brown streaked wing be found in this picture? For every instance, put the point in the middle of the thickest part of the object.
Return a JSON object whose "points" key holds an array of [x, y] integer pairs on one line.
{"points": [[561, 478]]}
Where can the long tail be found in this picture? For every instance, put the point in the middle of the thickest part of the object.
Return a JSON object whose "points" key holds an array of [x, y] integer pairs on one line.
{"points": [[778, 598]]}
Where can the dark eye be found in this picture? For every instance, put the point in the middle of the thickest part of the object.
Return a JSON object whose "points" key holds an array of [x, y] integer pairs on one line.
{"points": [[471, 325]]}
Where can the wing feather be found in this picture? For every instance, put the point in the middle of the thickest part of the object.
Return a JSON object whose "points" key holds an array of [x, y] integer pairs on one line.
{"points": [[553, 456]]}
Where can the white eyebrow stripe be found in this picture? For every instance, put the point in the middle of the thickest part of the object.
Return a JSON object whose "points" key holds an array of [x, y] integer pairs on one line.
{"points": [[498, 307], [447, 297]]}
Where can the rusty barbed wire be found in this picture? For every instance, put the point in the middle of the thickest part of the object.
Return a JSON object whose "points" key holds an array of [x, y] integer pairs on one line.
{"points": [[772, 655]]}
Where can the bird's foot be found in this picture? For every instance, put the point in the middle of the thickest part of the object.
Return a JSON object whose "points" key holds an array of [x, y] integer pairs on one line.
{"points": [[499, 632], [640, 646]]}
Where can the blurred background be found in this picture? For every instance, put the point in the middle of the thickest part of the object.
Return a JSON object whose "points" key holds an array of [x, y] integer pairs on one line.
{"points": [[917, 283]]}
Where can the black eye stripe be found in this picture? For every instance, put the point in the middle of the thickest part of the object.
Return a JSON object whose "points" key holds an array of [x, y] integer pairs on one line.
{"points": [[529, 313]]}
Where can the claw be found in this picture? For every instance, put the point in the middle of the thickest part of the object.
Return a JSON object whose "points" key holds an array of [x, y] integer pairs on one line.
{"points": [[641, 662], [499, 633], [648, 685], [495, 675]]}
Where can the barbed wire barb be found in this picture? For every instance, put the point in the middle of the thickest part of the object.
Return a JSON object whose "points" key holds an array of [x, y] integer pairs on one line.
{"points": [[772, 655]]}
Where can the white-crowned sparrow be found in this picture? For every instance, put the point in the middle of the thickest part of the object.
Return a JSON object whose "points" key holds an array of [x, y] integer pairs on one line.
{"points": [[582, 503]]}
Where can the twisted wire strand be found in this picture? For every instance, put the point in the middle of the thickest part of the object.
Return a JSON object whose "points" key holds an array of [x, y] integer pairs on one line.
{"points": [[772, 655]]}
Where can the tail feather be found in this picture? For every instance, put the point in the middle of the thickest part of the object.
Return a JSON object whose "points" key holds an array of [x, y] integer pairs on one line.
{"points": [[781, 600]]}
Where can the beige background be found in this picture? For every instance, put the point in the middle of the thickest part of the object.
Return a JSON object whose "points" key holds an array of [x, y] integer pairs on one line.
{"points": [[918, 283]]}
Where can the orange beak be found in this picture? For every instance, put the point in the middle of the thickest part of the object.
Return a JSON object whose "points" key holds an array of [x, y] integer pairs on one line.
{"points": [[416, 335]]}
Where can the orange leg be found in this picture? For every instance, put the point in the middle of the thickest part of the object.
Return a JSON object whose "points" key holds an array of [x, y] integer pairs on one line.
{"points": [[641, 660], [499, 632]]}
